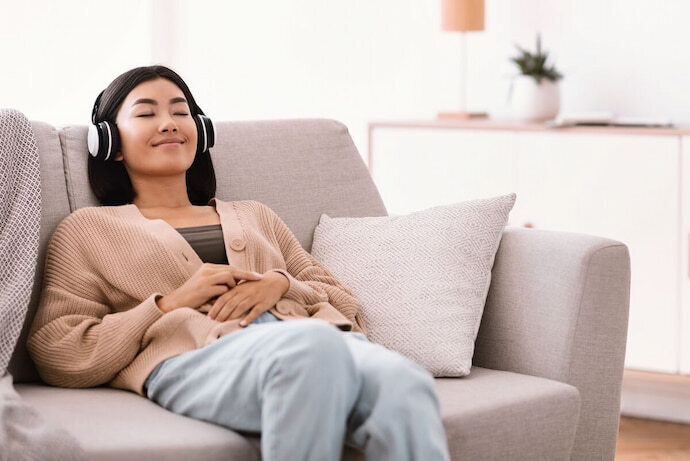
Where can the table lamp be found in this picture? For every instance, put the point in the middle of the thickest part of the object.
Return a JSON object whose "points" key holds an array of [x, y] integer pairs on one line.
{"points": [[462, 16]]}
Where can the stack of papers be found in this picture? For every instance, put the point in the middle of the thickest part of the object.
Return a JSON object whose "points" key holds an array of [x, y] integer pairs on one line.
{"points": [[606, 119]]}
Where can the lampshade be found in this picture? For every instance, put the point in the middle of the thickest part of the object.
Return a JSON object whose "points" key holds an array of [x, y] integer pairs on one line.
{"points": [[463, 15]]}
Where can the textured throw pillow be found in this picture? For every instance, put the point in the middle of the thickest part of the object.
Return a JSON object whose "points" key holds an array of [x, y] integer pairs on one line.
{"points": [[422, 278]]}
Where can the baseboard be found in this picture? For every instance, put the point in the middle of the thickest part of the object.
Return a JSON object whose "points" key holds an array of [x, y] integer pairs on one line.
{"points": [[660, 396]]}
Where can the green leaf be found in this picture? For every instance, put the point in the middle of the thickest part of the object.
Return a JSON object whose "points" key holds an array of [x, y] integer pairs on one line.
{"points": [[535, 64]]}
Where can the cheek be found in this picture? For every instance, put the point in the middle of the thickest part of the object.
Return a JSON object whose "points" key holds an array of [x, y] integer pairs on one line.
{"points": [[128, 146], [132, 136], [190, 148], [190, 129]]}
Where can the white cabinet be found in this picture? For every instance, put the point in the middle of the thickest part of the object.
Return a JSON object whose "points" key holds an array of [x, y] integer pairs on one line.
{"points": [[628, 187], [625, 188], [684, 269]]}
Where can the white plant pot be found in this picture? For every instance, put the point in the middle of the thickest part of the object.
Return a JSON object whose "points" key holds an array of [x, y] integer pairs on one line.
{"points": [[530, 101]]}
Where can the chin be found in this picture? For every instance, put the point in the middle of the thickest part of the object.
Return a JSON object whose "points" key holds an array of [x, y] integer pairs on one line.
{"points": [[171, 165]]}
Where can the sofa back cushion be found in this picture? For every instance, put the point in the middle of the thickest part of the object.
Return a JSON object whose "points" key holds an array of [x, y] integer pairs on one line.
{"points": [[421, 279], [300, 168]]}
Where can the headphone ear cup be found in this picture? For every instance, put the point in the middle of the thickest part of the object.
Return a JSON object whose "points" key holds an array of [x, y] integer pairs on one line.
{"points": [[93, 140], [206, 133], [103, 140]]}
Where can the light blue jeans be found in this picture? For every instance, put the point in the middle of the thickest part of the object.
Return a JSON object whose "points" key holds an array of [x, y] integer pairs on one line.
{"points": [[307, 387]]}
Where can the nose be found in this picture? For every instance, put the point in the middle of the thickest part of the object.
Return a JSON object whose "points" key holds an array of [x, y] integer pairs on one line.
{"points": [[168, 125]]}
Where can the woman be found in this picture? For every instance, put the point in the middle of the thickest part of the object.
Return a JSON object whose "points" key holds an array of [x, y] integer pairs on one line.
{"points": [[143, 294]]}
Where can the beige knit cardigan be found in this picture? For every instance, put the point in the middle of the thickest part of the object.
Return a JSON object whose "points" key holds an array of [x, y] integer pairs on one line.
{"points": [[98, 322]]}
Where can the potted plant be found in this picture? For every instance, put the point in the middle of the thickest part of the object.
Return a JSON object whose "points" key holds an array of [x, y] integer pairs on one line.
{"points": [[534, 93]]}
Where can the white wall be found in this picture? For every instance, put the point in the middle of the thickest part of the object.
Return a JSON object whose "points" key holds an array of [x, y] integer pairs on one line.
{"points": [[355, 61], [627, 56], [55, 57]]}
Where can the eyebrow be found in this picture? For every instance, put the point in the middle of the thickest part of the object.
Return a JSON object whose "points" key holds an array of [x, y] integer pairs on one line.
{"points": [[153, 101]]}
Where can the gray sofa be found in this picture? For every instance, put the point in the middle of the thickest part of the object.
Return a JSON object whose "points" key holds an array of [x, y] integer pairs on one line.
{"points": [[549, 355]]}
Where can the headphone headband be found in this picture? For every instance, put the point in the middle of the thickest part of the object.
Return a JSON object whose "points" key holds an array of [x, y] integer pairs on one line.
{"points": [[95, 107]]}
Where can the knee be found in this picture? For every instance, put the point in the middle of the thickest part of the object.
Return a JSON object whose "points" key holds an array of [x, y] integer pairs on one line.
{"points": [[321, 339], [316, 343], [404, 376]]}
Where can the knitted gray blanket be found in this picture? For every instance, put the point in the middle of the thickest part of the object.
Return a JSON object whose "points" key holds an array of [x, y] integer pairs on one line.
{"points": [[24, 434], [20, 213]]}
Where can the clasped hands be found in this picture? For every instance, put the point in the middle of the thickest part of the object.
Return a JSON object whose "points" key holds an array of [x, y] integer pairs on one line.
{"points": [[235, 292], [253, 297]]}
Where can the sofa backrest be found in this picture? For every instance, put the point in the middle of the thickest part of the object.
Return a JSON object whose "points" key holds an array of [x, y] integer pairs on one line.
{"points": [[300, 168]]}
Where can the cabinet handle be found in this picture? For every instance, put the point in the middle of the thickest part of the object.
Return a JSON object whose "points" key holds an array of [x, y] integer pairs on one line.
{"points": [[529, 225]]}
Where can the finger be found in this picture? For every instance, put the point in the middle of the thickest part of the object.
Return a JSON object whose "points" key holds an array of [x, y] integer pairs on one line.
{"points": [[232, 274], [221, 302], [216, 291], [217, 306], [225, 267], [233, 277], [223, 278], [231, 308], [242, 306], [256, 311], [246, 275], [224, 312]]}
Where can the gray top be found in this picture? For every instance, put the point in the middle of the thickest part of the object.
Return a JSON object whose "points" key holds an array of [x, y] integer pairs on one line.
{"points": [[207, 241]]}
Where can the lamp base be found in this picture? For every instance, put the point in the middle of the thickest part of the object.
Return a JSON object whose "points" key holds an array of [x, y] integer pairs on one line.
{"points": [[462, 115]]}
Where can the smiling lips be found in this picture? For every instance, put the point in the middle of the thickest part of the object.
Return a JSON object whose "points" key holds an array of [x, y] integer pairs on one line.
{"points": [[168, 142]]}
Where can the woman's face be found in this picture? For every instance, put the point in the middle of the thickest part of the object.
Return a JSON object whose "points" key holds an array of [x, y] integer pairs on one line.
{"points": [[155, 111]]}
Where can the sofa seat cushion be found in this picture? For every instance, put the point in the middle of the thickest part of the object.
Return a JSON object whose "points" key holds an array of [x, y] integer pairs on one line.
{"points": [[499, 415], [112, 424], [487, 415]]}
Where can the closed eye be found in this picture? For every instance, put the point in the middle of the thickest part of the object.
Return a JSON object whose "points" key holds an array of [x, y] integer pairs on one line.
{"points": [[151, 115]]}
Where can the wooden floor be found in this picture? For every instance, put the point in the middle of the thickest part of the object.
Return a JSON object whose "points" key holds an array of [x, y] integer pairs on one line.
{"points": [[643, 439]]}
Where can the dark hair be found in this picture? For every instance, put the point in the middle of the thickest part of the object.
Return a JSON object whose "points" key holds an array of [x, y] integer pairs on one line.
{"points": [[109, 180]]}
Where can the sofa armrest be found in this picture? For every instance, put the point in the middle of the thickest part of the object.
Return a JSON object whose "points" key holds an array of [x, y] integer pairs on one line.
{"points": [[558, 308]]}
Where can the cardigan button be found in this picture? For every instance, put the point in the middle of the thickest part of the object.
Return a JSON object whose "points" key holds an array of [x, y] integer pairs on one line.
{"points": [[237, 244]]}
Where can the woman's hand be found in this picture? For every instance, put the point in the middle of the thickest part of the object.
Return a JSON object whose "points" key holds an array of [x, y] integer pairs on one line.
{"points": [[209, 281], [251, 297]]}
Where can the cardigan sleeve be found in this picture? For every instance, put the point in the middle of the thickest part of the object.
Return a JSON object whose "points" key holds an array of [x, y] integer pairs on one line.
{"points": [[76, 338], [310, 281]]}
